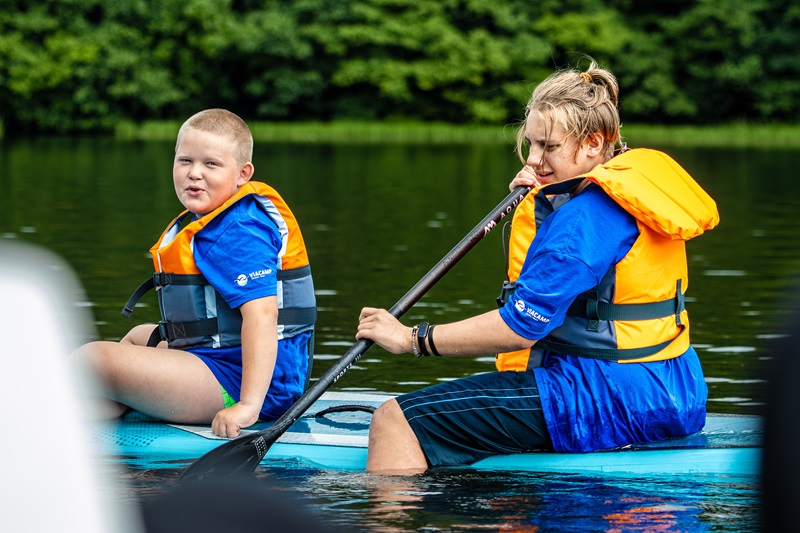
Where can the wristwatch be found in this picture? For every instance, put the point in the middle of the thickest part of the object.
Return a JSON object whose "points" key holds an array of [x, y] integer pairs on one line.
{"points": [[422, 334]]}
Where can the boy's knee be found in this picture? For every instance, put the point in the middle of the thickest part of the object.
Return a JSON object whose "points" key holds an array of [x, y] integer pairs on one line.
{"points": [[95, 357], [138, 335]]}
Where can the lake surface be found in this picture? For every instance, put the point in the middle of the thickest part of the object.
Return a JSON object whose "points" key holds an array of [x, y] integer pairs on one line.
{"points": [[376, 218]]}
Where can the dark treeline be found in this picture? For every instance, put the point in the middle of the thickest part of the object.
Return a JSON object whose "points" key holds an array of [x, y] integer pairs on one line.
{"points": [[87, 65]]}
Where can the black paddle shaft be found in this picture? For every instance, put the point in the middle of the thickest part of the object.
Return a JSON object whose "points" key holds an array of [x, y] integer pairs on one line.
{"points": [[244, 453]]}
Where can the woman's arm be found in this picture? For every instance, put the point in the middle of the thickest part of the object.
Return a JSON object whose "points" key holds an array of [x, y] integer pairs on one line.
{"points": [[478, 335], [259, 353]]}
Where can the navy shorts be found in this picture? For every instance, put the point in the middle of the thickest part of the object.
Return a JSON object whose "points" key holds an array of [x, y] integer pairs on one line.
{"points": [[462, 421]]}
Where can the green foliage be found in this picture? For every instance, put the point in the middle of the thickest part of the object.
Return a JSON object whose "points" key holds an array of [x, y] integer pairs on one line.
{"points": [[89, 65], [777, 95], [716, 58]]}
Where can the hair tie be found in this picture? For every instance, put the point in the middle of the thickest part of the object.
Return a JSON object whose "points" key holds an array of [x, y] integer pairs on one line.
{"points": [[586, 77]]}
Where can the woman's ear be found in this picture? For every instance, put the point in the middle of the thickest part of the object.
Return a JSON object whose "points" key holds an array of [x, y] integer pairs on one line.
{"points": [[595, 144]]}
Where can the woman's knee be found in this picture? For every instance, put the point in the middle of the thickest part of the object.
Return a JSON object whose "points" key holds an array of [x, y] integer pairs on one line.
{"points": [[393, 446], [387, 415]]}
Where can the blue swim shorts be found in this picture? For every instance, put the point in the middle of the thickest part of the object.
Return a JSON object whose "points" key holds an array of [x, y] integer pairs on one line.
{"points": [[462, 421]]}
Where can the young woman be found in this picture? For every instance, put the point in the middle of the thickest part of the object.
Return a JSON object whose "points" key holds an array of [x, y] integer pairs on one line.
{"points": [[592, 339]]}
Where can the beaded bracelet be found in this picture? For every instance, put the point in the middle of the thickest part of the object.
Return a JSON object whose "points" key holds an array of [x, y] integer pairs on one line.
{"points": [[414, 346]]}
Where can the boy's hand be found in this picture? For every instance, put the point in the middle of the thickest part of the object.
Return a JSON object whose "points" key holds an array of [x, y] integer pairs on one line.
{"points": [[229, 422]]}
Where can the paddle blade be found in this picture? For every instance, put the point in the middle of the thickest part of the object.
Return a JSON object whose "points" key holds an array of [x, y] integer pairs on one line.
{"points": [[236, 457]]}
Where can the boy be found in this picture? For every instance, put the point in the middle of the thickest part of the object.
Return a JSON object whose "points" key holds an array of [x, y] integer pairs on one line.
{"points": [[235, 292]]}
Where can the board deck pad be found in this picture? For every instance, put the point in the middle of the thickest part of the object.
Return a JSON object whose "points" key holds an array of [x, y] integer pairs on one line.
{"points": [[729, 445]]}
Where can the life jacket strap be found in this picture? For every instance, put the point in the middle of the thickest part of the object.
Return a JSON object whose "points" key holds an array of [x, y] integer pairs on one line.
{"points": [[155, 337], [143, 289], [161, 279], [294, 273], [170, 331], [595, 310], [606, 354], [297, 316]]}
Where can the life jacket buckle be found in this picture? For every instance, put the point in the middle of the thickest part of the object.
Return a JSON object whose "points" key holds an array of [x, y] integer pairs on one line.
{"points": [[680, 303], [592, 312], [163, 332], [505, 292], [161, 279]]}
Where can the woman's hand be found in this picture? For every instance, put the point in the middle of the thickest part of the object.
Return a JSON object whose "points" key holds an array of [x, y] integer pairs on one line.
{"points": [[229, 422], [524, 178], [385, 330]]}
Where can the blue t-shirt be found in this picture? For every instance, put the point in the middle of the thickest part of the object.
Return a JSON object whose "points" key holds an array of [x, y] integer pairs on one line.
{"points": [[591, 404], [237, 252]]}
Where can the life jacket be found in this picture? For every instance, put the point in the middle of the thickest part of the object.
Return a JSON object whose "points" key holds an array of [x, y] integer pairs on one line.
{"points": [[637, 312], [193, 313]]}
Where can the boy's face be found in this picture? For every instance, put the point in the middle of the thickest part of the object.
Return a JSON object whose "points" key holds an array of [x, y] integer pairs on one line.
{"points": [[205, 172]]}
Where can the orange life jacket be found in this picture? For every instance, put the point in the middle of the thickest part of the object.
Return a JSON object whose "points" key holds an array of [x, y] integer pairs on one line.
{"points": [[637, 313], [193, 313]]}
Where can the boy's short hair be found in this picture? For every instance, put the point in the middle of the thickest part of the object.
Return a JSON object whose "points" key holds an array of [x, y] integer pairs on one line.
{"points": [[225, 124]]}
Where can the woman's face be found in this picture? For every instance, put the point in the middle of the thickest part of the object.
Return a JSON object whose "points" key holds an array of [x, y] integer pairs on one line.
{"points": [[555, 155]]}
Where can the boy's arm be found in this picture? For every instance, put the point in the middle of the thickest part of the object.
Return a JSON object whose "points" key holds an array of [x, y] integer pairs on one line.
{"points": [[259, 353]]}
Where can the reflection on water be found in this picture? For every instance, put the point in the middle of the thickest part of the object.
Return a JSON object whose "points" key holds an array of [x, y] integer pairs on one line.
{"points": [[375, 219], [460, 500], [446, 501]]}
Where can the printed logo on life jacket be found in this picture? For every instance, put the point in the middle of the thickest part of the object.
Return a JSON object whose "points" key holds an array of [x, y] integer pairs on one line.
{"points": [[520, 305]]}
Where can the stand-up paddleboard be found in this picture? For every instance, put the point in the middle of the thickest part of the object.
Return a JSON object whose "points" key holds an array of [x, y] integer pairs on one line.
{"points": [[333, 435]]}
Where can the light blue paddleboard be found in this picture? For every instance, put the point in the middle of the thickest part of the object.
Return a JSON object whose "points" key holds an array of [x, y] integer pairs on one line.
{"points": [[729, 445]]}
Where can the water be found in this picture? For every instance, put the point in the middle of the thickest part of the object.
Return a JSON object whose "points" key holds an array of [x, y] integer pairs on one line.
{"points": [[375, 219]]}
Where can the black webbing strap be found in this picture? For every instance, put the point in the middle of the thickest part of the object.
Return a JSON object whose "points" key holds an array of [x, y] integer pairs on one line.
{"points": [[155, 337], [169, 331], [607, 354], [294, 273], [160, 279], [593, 309], [143, 289], [297, 316]]}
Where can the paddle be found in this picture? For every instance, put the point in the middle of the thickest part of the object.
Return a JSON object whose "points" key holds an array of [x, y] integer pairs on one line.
{"points": [[242, 455]]}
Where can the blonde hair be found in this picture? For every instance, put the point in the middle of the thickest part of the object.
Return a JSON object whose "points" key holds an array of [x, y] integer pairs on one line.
{"points": [[225, 124], [585, 103]]}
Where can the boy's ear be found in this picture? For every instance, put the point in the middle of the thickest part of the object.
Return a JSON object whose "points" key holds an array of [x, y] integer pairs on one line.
{"points": [[245, 173]]}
